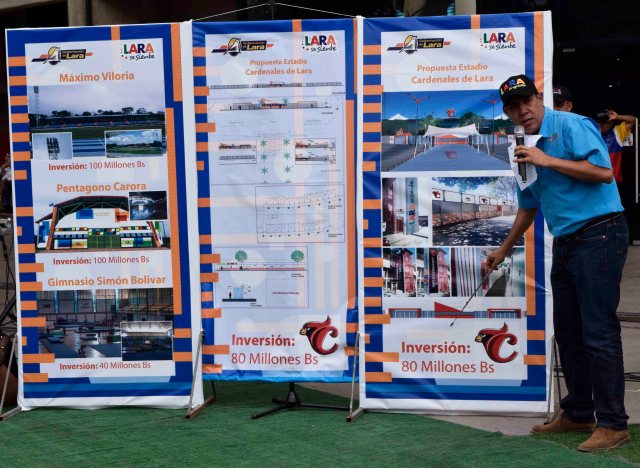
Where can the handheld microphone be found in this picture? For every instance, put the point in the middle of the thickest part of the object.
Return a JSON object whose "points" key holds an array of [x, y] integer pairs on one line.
{"points": [[518, 133]]}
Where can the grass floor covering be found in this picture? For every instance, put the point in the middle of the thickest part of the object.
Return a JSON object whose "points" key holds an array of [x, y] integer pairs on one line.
{"points": [[225, 435]]}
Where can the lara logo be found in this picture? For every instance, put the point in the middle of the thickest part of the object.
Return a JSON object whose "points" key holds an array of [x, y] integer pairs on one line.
{"points": [[413, 43], [132, 52], [317, 333], [319, 43], [498, 40], [55, 55], [235, 46], [493, 339]]}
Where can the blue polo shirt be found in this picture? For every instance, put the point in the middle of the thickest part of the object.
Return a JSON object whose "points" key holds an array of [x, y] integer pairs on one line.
{"points": [[568, 203]]}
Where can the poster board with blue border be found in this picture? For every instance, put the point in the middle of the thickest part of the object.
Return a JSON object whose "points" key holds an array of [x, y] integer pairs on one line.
{"points": [[104, 296], [438, 194], [275, 107]]}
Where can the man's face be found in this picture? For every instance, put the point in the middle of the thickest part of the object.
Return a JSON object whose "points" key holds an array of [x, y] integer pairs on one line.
{"points": [[527, 111], [565, 106]]}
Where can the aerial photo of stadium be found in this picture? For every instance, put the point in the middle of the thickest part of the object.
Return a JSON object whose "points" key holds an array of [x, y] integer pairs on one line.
{"points": [[444, 131], [99, 222], [94, 121]]}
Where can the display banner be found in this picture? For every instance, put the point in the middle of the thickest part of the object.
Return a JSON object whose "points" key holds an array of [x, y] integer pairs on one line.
{"points": [[435, 202], [105, 310], [275, 121]]}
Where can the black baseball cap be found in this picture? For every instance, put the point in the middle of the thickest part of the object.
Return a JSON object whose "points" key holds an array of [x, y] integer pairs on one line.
{"points": [[518, 85], [561, 94]]}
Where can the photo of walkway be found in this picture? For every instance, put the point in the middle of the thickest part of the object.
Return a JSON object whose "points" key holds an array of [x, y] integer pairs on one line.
{"points": [[444, 131]]}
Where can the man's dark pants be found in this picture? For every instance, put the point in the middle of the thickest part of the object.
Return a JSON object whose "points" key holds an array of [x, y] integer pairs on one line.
{"points": [[585, 277]]}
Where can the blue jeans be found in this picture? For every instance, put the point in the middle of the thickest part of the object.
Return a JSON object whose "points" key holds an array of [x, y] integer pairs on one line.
{"points": [[585, 277]]}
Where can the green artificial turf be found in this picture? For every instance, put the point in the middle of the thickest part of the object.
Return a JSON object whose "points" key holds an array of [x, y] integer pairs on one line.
{"points": [[225, 435]]}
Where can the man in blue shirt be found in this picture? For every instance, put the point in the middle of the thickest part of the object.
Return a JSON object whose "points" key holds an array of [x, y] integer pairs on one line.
{"points": [[582, 208]]}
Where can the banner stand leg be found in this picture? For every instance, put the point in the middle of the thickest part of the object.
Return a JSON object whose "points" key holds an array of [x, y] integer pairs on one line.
{"points": [[191, 411], [293, 401], [555, 366], [12, 412], [353, 415]]}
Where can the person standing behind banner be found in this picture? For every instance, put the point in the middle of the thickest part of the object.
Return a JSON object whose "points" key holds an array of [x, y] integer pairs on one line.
{"points": [[582, 208], [562, 99], [613, 135]]}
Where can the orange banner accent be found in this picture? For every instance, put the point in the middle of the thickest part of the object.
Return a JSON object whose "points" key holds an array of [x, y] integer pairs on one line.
{"points": [[377, 319], [204, 202], [369, 166], [373, 242], [28, 305], [365, 224], [172, 195], [19, 118], [372, 107], [372, 49], [535, 360], [371, 204], [475, 21], [200, 108], [22, 156], [372, 147], [37, 322], [349, 351], [31, 267], [296, 26], [206, 127], [373, 302], [372, 90], [44, 358], [115, 33], [215, 258], [199, 71], [535, 335], [20, 174], [35, 378], [18, 100], [538, 49], [182, 332], [26, 248], [200, 165], [18, 230], [381, 357], [375, 69], [212, 313], [367, 338], [351, 327], [176, 61], [530, 282], [201, 91], [351, 206], [208, 277], [20, 137], [202, 146], [24, 341], [212, 368], [199, 52], [372, 127], [378, 377], [215, 349], [24, 211], [184, 356], [206, 296], [372, 262], [206, 258], [205, 239], [17, 81], [16, 62]]}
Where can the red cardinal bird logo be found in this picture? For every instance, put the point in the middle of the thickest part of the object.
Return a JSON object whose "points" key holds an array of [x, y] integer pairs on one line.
{"points": [[317, 332], [492, 340]]}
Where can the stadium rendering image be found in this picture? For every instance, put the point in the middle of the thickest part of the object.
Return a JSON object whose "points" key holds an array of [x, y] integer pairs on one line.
{"points": [[97, 223]]}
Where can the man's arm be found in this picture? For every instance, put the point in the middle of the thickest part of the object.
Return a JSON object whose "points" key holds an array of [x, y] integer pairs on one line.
{"points": [[524, 218], [627, 119], [581, 170]]}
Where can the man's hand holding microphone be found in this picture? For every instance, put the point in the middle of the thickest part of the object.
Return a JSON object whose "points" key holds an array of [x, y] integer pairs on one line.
{"points": [[527, 154]]}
